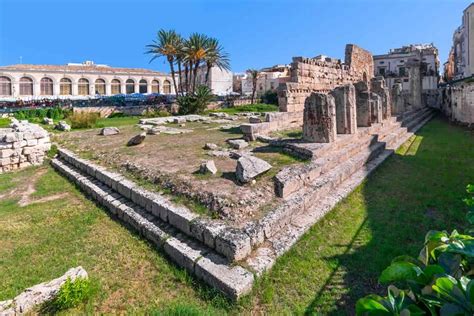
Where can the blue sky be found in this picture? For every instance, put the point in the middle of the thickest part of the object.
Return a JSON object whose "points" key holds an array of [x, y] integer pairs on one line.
{"points": [[256, 33]]}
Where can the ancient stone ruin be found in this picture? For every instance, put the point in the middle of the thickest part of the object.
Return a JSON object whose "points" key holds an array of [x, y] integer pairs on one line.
{"points": [[22, 145]]}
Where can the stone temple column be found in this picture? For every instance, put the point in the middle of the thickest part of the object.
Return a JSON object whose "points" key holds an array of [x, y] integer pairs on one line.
{"points": [[319, 118], [375, 108], [346, 118], [362, 104], [415, 82], [378, 86]]}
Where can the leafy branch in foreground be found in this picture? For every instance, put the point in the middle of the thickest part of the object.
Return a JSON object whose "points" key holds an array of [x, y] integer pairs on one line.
{"points": [[438, 282]]}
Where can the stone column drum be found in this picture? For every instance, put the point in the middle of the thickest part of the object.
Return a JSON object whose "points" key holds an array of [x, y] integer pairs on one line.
{"points": [[378, 86], [375, 108], [362, 104], [398, 105], [346, 118], [319, 118]]}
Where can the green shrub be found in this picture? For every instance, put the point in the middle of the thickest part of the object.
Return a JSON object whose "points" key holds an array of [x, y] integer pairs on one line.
{"points": [[53, 151], [270, 97], [156, 113], [438, 282], [196, 102], [72, 293], [83, 119]]}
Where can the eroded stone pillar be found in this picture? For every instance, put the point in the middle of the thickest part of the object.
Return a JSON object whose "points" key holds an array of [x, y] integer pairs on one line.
{"points": [[415, 82], [378, 86], [362, 104], [398, 105], [375, 108], [319, 120], [345, 99]]}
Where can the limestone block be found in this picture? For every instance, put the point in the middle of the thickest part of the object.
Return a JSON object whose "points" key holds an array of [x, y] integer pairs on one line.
{"points": [[181, 217], [345, 99], [233, 244], [375, 108], [319, 121], [124, 187], [183, 251], [363, 108]]}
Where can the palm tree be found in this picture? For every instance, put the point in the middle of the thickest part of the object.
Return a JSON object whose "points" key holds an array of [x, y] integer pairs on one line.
{"points": [[195, 52], [167, 45], [215, 56], [254, 74]]}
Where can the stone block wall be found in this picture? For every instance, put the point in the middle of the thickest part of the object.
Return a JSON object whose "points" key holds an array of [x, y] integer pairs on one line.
{"points": [[323, 75], [22, 145], [273, 122], [457, 102]]}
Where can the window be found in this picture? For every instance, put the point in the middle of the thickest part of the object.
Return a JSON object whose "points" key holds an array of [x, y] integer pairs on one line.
{"points": [[382, 62], [155, 86], [83, 87], [382, 71], [46, 86], [167, 87], [115, 86], [129, 86], [405, 80], [401, 71], [65, 86], [402, 61], [5, 86], [26, 86], [143, 86], [100, 86]]}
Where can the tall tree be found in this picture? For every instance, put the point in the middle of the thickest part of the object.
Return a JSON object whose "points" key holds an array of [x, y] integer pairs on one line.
{"points": [[195, 52], [254, 74], [166, 45], [215, 56]]}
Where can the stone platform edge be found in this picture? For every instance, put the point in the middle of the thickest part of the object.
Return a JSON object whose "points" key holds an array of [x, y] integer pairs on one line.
{"points": [[215, 270]]}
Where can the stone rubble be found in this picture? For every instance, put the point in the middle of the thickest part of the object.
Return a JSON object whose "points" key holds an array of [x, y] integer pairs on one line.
{"points": [[137, 139], [39, 294], [210, 146], [23, 144], [248, 167], [63, 126], [237, 143], [48, 121], [107, 131], [208, 167]]}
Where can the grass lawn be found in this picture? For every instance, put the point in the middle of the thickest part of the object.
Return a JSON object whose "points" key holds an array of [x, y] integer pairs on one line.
{"points": [[257, 107], [4, 122], [336, 262]]}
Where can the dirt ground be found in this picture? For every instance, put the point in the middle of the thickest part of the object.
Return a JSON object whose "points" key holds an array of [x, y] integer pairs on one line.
{"points": [[178, 157]]}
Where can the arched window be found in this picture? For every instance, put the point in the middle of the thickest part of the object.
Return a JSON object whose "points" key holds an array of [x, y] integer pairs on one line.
{"points": [[129, 86], [5, 86], [83, 87], [115, 86], [155, 86], [167, 87], [65, 86], [100, 86], [46, 86], [26, 86], [143, 86]]}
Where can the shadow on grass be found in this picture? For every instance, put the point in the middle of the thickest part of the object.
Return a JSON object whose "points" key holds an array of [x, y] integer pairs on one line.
{"points": [[417, 189]]}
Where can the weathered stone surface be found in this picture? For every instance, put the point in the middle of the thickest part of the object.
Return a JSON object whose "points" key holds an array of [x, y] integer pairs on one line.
{"points": [[48, 121], [210, 146], [375, 108], [237, 143], [248, 167], [219, 114], [107, 131], [378, 86], [345, 99], [208, 167], [363, 104], [398, 104], [136, 140], [63, 126], [255, 119], [319, 121], [39, 294]]}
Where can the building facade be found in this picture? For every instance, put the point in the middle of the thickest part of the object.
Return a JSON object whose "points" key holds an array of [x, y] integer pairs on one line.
{"points": [[220, 80], [392, 66], [268, 79], [78, 81], [460, 62]]}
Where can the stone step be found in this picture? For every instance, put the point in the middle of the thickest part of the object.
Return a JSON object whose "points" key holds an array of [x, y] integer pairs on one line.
{"points": [[224, 239], [292, 179], [198, 259], [285, 226]]}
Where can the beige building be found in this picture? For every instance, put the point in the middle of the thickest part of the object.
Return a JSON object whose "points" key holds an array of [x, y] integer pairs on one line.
{"points": [[268, 79], [393, 65], [78, 81], [461, 58], [220, 80]]}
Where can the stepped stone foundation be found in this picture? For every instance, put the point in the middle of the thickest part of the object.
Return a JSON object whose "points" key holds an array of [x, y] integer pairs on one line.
{"points": [[319, 122], [22, 145]]}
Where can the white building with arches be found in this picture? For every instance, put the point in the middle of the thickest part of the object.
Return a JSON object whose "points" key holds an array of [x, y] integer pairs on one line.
{"points": [[78, 81]]}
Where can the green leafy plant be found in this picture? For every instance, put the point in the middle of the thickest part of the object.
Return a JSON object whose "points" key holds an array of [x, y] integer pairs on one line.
{"points": [[72, 293], [438, 282], [270, 97], [195, 102]]}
